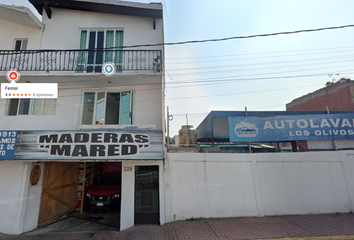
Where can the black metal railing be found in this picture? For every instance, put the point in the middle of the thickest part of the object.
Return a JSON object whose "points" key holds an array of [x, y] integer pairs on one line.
{"points": [[81, 61]]}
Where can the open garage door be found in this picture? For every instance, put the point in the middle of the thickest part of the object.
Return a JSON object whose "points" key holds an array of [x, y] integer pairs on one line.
{"points": [[58, 192]]}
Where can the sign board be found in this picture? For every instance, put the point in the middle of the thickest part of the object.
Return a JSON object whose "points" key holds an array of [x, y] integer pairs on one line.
{"points": [[291, 128], [85, 145], [8, 141]]}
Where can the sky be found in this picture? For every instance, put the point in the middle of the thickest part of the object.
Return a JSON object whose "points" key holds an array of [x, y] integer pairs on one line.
{"points": [[263, 73]]}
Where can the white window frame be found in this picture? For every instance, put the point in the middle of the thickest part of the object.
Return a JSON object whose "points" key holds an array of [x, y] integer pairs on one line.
{"points": [[31, 108], [104, 30], [105, 103], [20, 39], [88, 30]]}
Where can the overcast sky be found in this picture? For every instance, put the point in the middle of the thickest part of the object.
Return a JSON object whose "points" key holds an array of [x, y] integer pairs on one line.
{"points": [[261, 73]]}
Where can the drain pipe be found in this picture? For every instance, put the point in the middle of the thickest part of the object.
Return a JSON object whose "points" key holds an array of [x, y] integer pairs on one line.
{"points": [[40, 37]]}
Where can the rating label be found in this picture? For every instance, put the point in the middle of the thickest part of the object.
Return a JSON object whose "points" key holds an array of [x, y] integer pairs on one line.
{"points": [[29, 90]]}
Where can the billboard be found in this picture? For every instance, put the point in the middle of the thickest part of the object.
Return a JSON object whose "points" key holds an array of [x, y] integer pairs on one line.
{"points": [[81, 145], [291, 128]]}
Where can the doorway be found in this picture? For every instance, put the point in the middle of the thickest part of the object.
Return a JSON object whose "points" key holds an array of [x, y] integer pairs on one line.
{"points": [[147, 207]]}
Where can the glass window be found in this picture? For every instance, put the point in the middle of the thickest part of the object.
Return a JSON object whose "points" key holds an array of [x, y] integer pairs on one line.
{"points": [[112, 108], [20, 44], [125, 108], [100, 107], [36, 107], [49, 106], [108, 108], [103, 46], [26, 106], [13, 105], [87, 111]]}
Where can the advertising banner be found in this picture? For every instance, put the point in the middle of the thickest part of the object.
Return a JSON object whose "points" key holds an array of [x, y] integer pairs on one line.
{"points": [[77, 145], [291, 128]]}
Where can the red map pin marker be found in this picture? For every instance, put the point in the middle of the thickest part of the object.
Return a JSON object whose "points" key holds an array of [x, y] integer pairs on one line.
{"points": [[13, 76]]}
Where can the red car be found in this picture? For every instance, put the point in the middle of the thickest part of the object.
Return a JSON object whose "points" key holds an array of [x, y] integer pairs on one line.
{"points": [[106, 193]]}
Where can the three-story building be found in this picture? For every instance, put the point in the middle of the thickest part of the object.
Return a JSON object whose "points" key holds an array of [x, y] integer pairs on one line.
{"points": [[45, 143]]}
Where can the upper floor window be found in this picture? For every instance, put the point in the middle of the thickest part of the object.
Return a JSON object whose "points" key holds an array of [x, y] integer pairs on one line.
{"points": [[33, 106], [101, 108], [103, 46], [20, 44]]}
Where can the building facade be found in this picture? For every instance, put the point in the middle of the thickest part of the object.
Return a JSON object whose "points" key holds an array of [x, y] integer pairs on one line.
{"points": [[334, 97], [95, 119]]}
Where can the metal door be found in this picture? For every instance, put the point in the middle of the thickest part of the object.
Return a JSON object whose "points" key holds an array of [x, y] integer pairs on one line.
{"points": [[147, 207]]}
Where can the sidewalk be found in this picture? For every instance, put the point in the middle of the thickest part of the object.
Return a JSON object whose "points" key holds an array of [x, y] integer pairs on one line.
{"points": [[322, 226]]}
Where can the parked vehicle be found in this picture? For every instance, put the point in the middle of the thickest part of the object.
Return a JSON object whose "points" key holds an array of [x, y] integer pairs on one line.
{"points": [[106, 192]]}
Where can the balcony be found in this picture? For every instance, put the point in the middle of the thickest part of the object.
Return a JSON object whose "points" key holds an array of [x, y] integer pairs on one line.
{"points": [[80, 61]]}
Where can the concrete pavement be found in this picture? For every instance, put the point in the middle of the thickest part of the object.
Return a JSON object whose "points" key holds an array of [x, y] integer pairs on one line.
{"points": [[322, 226]]}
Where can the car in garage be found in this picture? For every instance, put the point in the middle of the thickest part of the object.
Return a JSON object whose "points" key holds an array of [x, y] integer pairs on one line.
{"points": [[106, 192]]}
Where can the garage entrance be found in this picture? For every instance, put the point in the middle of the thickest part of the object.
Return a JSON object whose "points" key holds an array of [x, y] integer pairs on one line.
{"points": [[92, 189], [58, 192], [147, 210]]}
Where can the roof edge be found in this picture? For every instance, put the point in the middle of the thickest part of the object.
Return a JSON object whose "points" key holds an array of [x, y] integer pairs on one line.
{"points": [[152, 10], [24, 10]]}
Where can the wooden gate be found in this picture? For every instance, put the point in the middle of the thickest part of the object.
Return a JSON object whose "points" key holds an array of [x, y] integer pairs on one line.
{"points": [[58, 192]]}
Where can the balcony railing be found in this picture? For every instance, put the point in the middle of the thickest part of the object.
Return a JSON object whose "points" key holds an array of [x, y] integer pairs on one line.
{"points": [[81, 61]]}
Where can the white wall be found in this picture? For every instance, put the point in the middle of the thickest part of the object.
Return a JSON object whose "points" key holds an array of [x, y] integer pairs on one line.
{"points": [[231, 185], [137, 30], [128, 192], [9, 31], [34, 194], [147, 103], [13, 198], [62, 31]]}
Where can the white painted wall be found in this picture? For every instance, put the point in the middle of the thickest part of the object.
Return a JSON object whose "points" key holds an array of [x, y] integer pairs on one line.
{"points": [[9, 31], [34, 194], [137, 30], [147, 103], [14, 193], [128, 192], [62, 31], [231, 185]]}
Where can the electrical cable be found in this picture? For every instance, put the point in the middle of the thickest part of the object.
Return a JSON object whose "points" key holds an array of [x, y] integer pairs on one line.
{"points": [[242, 37], [308, 52]]}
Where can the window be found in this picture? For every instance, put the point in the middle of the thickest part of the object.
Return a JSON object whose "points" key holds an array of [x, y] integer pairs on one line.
{"points": [[107, 108], [34, 106], [20, 44], [102, 45]]}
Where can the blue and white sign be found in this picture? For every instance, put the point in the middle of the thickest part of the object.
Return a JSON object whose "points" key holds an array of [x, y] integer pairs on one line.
{"points": [[291, 128], [8, 141]]}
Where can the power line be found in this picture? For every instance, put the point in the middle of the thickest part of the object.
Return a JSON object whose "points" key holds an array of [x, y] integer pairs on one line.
{"points": [[239, 93], [257, 74], [318, 62], [241, 37], [308, 52], [252, 58]]}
